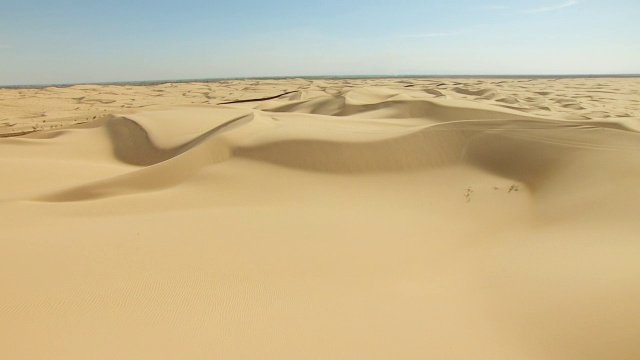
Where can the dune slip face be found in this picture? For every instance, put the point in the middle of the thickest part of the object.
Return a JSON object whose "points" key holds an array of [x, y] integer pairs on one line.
{"points": [[323, 218]]}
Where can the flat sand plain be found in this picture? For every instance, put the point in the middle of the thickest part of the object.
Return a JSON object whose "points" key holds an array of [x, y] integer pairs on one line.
{"points": [[339, 219]]}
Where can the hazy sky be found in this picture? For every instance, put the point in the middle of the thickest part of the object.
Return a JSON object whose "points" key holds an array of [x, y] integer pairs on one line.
{"points": [[56, 41]]}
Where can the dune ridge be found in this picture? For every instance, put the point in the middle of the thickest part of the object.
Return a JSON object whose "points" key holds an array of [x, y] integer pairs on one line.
{"points": [[377, 218]]}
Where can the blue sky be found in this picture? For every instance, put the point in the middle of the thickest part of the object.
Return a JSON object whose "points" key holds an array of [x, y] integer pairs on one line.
{"points": [[58, 41]]}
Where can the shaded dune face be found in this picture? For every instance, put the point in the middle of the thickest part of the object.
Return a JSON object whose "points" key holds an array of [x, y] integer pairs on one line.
{"points": [[132, 145], [434, 110], [410, 221], [443, 133], [160, 167]]}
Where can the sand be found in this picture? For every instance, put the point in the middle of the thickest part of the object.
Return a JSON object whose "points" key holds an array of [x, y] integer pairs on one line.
{"points": [[346, 219]]}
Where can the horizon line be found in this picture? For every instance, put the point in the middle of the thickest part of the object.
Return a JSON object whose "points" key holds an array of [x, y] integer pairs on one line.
{"points": [[346, 77]]}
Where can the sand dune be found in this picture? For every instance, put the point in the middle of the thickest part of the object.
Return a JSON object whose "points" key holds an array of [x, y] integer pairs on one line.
{"points": [[375, 219]]}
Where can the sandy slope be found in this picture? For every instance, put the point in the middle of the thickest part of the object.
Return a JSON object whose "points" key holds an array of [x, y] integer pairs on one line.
{"points": [[363, 219]]}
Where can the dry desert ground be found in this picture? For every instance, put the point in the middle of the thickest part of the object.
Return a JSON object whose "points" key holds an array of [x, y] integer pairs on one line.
{"points": [[322, 219]]}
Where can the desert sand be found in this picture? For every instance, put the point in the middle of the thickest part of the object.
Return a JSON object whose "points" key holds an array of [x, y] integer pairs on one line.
{"points": [[346, 219]]}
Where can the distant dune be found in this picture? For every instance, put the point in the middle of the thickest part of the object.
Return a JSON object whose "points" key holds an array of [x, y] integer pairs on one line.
{"points": [[333, 219]]}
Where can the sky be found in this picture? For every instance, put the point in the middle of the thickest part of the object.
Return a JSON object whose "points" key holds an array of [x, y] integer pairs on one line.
{"points": [[73, 41]]}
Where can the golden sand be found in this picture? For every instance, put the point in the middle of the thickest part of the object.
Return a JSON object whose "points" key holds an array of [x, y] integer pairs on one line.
{"points": [[346, 219]]}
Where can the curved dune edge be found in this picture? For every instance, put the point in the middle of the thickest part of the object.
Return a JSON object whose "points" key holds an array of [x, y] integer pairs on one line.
{"points": [[409, 220], [520, 147]]}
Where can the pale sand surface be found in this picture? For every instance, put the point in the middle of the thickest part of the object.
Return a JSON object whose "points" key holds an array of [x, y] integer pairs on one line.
{"points": [[348, 219]]}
